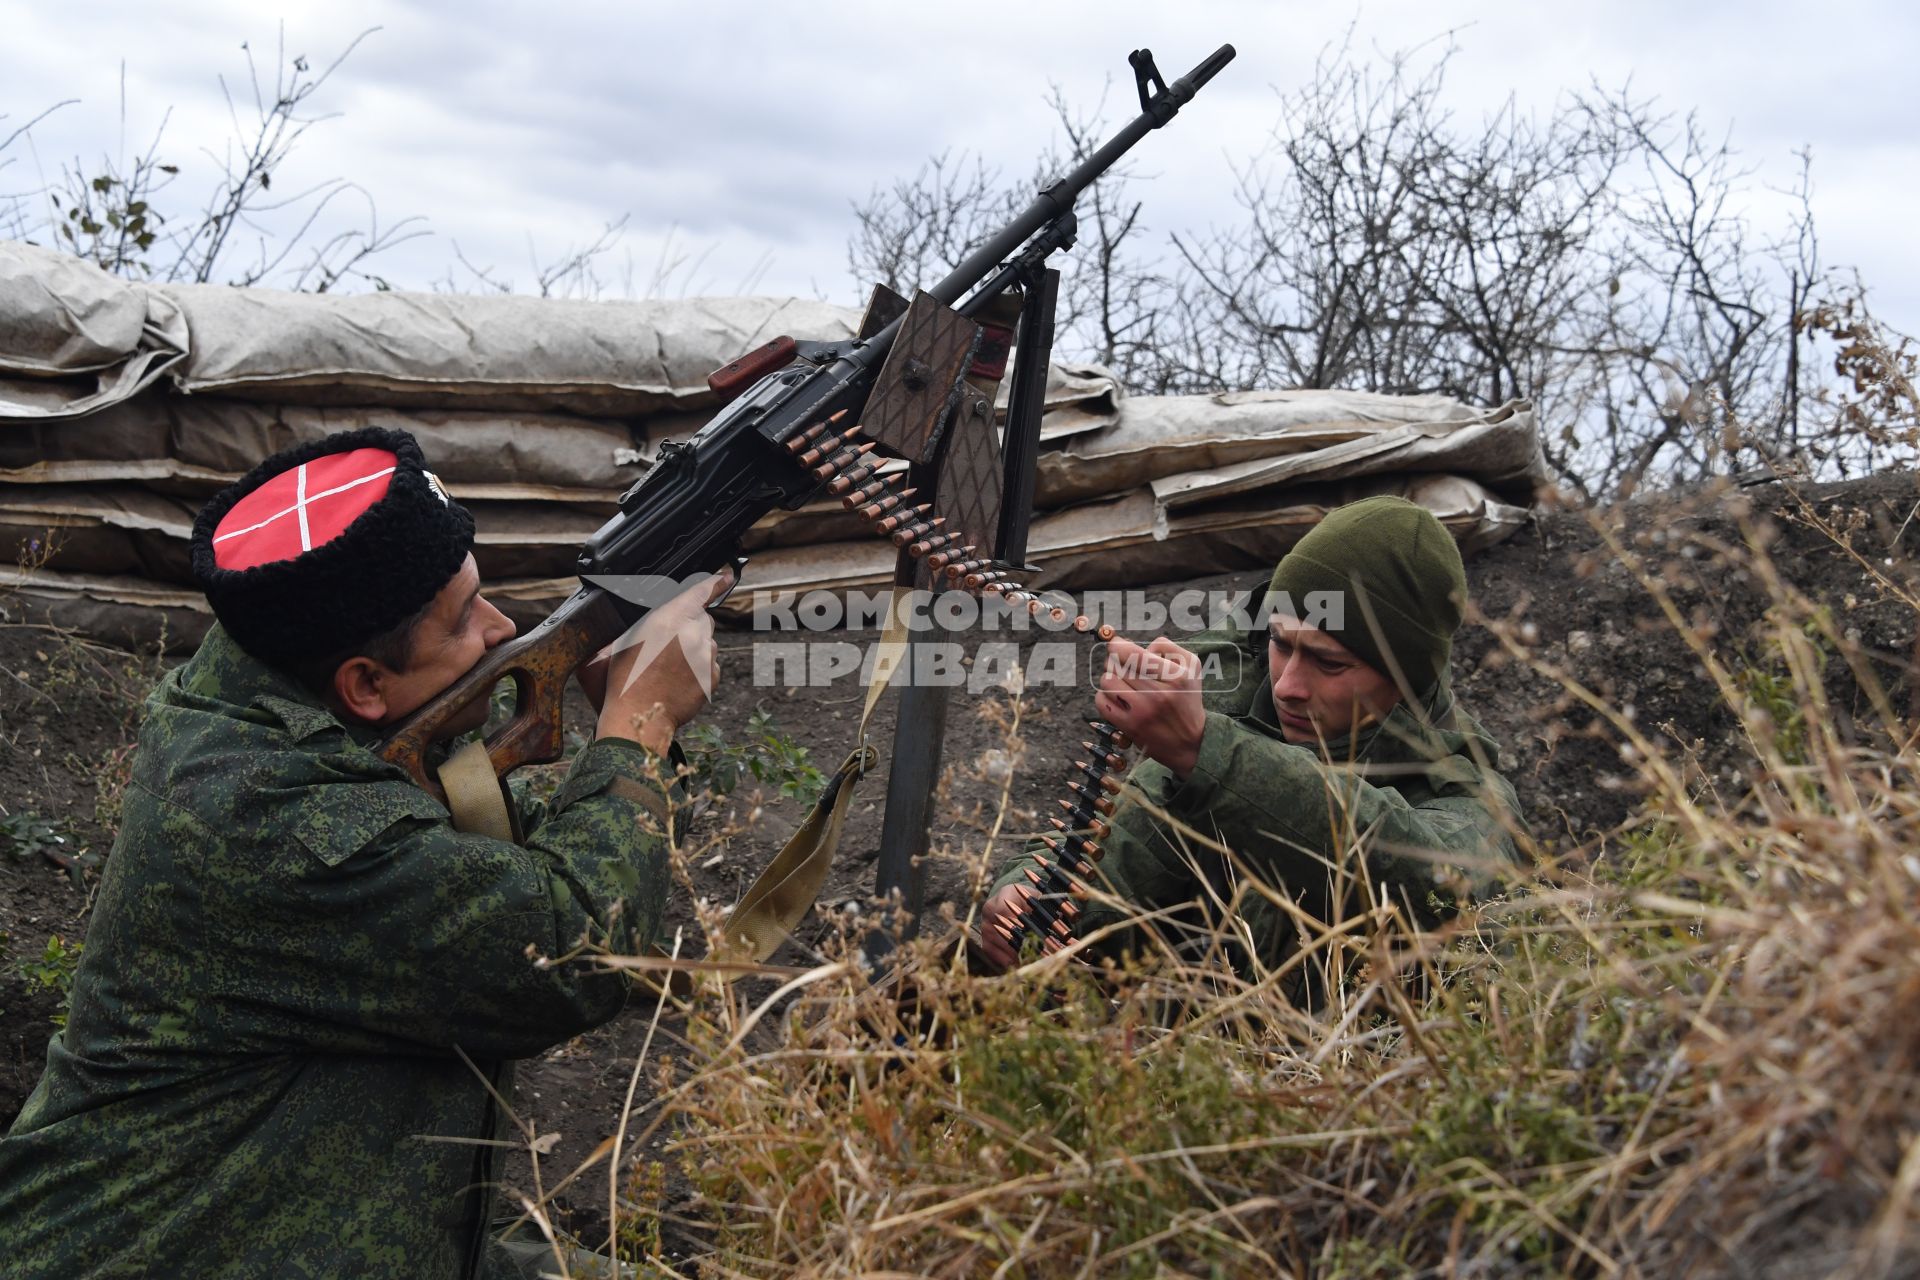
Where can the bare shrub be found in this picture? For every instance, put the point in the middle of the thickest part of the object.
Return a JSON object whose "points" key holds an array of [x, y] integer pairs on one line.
{"points": [[1112, 297], [1684, 1049], [1603, 261], [1872, 409], [127, 214]]}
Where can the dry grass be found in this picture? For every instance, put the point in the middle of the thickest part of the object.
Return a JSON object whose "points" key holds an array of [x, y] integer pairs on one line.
{"points": [[1691, 1048]]}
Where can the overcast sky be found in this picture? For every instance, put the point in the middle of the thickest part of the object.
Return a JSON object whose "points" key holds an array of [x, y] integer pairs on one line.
{"points": [[735, 136]]}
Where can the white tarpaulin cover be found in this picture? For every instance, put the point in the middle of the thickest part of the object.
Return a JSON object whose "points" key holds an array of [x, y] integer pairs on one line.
{"points": [[194, 445], [1289, 436], [73, 339], [1128, 540], [444, 351], [124, 406]]}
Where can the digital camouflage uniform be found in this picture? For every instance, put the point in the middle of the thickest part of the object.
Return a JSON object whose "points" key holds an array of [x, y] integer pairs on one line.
{"points": [[1418, 786], [262, 1074]]}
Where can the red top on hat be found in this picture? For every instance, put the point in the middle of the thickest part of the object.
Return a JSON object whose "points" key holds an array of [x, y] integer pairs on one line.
{"points": [[302, 508]]}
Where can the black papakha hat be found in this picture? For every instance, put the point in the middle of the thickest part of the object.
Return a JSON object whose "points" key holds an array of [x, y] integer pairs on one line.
{"points": [[326, 545]]}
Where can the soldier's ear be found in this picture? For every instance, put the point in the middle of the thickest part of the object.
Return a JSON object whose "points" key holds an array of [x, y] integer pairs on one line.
{"points": [[359, 689]]}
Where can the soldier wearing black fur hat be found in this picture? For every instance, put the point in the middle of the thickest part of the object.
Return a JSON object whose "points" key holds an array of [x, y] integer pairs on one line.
{"points": [[302, 986]]}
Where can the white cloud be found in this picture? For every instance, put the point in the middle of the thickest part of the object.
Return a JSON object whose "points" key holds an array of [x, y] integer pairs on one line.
{"points": [[740, 134]]}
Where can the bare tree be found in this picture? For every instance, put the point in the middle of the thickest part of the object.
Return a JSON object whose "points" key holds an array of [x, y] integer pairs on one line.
{"points": [[1600, 261], [575, 273], [918, 229], [111, 211], [16, 220], [1685, 361], [1315, 287], [127, 213], [1112, 296], [1873, 404]]}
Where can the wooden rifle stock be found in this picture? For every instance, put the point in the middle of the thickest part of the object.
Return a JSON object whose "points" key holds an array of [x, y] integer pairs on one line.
{"points": [[539, 663]]}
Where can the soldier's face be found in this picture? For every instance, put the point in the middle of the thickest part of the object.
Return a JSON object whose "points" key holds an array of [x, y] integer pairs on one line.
{"points": [[459, 628], [1320, 689]]}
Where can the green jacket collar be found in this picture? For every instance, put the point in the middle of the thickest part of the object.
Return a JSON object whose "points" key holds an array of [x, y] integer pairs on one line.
{"points": [[1414, 737], [225, 676]]}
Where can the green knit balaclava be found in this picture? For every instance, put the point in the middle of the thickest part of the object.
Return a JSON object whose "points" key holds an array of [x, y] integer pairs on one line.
{"points": [[1391, 558]]}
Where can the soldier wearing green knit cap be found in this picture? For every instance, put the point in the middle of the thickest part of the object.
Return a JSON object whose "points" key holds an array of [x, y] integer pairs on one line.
{"points": [[1324, 750]]}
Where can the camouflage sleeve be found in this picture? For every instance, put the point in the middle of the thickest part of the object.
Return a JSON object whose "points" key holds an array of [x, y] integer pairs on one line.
{"points": [[1297, 816], [528, 808], [1232, 669], [1140, 865], [425, 936], [1145, 867]]}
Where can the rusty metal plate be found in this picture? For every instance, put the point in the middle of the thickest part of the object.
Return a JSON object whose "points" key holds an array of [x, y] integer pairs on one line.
{"points": [[920, 379], [884, 306], [970, 471]]}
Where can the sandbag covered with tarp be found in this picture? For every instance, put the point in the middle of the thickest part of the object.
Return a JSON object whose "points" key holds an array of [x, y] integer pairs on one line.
{"points": [[74, 339], [123, 406], [193, 446]]}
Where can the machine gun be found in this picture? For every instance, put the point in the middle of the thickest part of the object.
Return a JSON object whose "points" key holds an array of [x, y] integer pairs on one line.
{"points": [[770, 446]]}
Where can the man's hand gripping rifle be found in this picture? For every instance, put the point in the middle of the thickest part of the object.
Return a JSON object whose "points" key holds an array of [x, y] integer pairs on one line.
{"points": [[687, 515]]}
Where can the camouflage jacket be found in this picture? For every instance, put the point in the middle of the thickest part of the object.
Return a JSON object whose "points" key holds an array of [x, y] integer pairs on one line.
{"points": [[1414, 806], [298, 983]]}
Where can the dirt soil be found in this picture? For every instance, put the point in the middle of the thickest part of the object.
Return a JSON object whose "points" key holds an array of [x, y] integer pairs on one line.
{"points": [[68, 711]]}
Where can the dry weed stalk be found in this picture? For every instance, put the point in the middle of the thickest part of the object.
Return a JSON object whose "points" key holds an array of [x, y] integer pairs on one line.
{"points": [[1689, 1047], [1693, 1050]]}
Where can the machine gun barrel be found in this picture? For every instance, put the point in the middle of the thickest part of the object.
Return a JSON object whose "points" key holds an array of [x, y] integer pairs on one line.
{"points": [[1057, 199], [687, 514]]}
